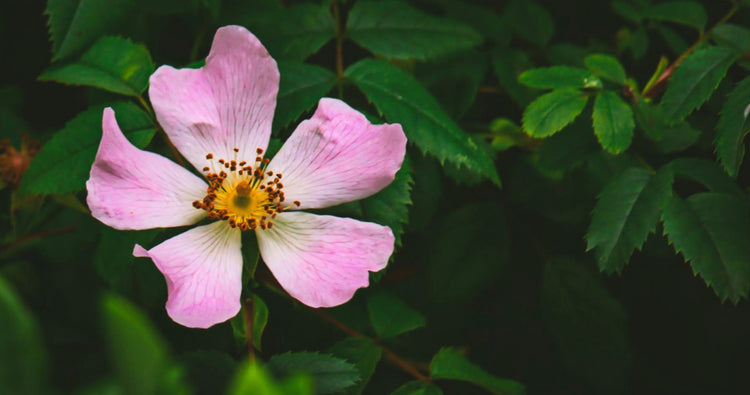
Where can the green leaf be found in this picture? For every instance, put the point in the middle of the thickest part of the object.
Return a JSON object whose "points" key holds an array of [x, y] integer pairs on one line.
{"points": [[138, 353], [112, 63], [260, 319], [488, 23], [530, 21], [607, 67], [64, 163], [551, 112], [300, 88], [364, 354], [689, 13], [400, 98], [454, 80], [76, 24], [639, 42], [706, 173], [613, 122], [625, 214], [669, 137], [418, 388], [508, 65], [390, 316], [464, 258], [390, 206], [394, 29], [733, 36], [566, 150], [587, 325], [732, 128], [114, 260], [294, 33], [694, 81], [252, 378], [329, 373], [627, 11], [448, 363], [22, 354], [711, 231], [556, 77], [208, 371]]}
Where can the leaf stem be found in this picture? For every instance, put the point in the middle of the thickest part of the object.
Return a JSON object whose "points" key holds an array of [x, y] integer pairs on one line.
{"points": [[249, 309], [339, 48], [661, 83], [40, 235]]}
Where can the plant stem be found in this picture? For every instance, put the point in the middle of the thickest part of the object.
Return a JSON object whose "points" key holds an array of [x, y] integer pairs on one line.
{"points": [[40, 235], [663, 80], [249, 309], [339, 48]]}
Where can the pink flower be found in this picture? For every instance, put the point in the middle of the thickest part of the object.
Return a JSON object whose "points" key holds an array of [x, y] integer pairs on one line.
{"points": [[219, 118]]}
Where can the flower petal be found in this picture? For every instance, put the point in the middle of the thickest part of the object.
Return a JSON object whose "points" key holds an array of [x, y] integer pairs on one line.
{"points": [[338, 156], [133, 189], [203, 269], [322, 260], [226, 104]]}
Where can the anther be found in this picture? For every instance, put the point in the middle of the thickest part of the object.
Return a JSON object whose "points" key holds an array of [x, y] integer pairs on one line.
{"points": [[206, 168], [297, 203], [236, 149], [210, 156], [259, 151]]}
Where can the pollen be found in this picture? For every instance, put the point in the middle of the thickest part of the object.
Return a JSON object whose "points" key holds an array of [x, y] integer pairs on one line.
{"points": [[246, 196]]}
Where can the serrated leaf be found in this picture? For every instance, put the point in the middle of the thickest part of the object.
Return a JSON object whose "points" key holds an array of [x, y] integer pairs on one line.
{"points": [[732, 128], [734, 36], [390, 206], [607, 67], [689, 13], [626, 212], [613, 122], [705, 172], [418, 388], [138, 353], [295, 32], [64, 163], [464, 257], [448, 363], [694, 81], [508, 64], [587, 325], [252, 378], [394, 29], [22, 354], [329, 373], [400, 98], [454, 80], [557, 77], [669, 137], [488, 23], [530, 21], [112, 63], [551, 112], [364, 354], [390, 316], [711, 231], [75, 24], [301, 86]]}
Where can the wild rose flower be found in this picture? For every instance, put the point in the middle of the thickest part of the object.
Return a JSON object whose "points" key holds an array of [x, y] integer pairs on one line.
{"points": [[219, 118]]}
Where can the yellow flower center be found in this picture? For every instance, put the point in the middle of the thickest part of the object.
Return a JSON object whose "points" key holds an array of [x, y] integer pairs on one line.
{"points": [[248, 197]]}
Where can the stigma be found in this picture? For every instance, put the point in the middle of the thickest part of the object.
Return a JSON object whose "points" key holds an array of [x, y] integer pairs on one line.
{"points": [[247, 196]]}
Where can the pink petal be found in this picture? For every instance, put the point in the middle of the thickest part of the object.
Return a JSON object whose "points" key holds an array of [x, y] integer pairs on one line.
{"points": [[322, 260], [338, 156], [203, 269], [226, 104], [133, 189]]}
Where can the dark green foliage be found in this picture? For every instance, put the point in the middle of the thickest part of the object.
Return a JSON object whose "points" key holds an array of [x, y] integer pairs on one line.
{"points": [[733, 127], [551, 112], [625, 214], [364, 354], [508, 65], [417, 388], [587, 324], [449, 364], [690, 13], [112, 63], [300, 88], [330, 374], [711, 231], [613, 122], [557, 77], [400, 98], [607, 67], [390, 316], [390, 206], [393, 29], [530, 21], [695, 80]]}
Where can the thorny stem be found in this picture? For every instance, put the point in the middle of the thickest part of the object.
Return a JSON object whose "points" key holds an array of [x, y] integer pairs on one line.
{"points": [[390, 355], [248, 308], [661, 82], [339, 48]]}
